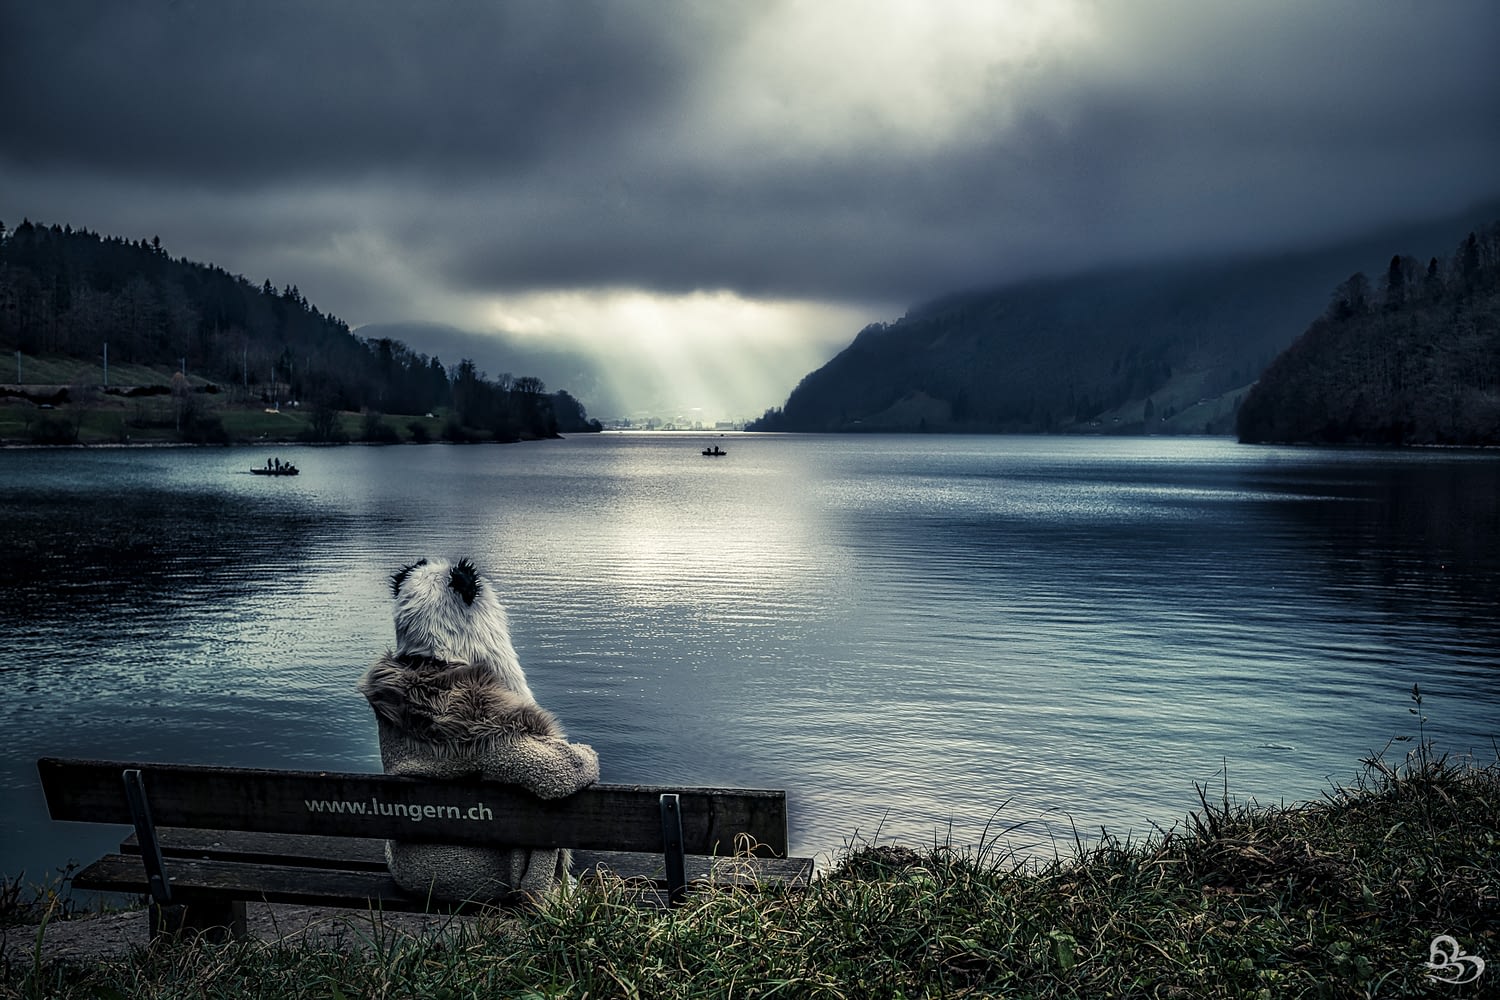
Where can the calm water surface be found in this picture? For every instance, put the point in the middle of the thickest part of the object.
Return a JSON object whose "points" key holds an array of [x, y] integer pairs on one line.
{"points": [[917, 636]]}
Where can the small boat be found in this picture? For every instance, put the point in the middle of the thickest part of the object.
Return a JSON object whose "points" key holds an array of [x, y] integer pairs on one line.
{"points": [[714, 452], [277, 470]]}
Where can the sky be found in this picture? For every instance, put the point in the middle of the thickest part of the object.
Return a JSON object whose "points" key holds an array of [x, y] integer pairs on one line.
{"points": [[712, 197]]}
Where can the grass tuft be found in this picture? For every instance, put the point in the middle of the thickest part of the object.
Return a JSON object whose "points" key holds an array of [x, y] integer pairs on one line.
{"points": [[24, 903]]}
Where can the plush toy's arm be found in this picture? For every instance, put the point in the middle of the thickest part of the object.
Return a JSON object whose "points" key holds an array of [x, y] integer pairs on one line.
{"points": [[401, 756], [548, 768]]}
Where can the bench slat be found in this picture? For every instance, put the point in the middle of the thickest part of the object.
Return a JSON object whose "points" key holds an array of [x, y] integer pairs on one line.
{"points": [[354, 853], [361, 854], [197, 879], [602, 817], [215, 879]]}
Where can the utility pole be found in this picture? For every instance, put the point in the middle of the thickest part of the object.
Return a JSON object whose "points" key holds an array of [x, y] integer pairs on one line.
{"points": [[18, 368], [106, 364]]}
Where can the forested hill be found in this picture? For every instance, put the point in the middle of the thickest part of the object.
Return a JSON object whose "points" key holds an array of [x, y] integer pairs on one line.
{"points": [[1414, 359], [67, 293], [1163, 349]]}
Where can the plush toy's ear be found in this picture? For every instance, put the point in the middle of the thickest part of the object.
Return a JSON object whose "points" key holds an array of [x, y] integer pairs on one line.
{"points": [[399, 577], [464, 578]]}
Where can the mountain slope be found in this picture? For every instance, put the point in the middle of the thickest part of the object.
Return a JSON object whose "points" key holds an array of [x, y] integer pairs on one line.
{"points": [[69, 294], [1164, 347], [1416, 361]]}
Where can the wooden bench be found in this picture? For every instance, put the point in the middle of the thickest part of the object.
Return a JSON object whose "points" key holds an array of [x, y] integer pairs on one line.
{"points": [[207, 839]]}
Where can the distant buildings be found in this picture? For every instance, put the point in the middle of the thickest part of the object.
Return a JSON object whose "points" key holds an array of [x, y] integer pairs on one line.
{"points": [[670, 424]]}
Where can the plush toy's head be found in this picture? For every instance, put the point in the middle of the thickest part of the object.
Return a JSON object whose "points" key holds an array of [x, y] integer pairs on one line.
{"points": [[447, 611]]}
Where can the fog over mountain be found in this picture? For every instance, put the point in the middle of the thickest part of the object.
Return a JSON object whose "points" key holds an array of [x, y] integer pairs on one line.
{"points": [[615, 384], [1166, 348]]}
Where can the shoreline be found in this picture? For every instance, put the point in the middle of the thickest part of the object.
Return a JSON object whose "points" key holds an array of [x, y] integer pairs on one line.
{"points": [[280, 443]]}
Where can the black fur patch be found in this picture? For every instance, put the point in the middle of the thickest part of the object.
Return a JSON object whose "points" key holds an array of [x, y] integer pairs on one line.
{"points": [[464, 578], [399, 577]]}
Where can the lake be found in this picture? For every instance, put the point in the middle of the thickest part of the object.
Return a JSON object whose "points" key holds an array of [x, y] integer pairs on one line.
{"points": [[919, 636]]}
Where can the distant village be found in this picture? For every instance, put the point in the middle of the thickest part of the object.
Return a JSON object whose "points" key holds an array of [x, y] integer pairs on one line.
{"points": [[678, 423]]}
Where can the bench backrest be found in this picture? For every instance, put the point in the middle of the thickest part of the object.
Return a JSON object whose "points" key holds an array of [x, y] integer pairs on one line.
{"points": [[326, 803]]}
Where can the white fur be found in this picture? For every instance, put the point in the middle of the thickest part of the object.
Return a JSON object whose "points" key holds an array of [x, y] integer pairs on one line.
{"points": [[432, 620]]}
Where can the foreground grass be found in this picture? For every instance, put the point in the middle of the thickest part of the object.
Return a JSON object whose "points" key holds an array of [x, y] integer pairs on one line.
{"points": [[1338, 898]]}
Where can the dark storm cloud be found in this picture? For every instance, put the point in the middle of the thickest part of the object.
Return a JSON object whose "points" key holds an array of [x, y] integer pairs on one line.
{"points": [[256, 93], [507, 147]]}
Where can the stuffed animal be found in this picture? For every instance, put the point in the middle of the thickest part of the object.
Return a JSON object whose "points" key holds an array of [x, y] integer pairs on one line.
{"points": [[452, 702]]}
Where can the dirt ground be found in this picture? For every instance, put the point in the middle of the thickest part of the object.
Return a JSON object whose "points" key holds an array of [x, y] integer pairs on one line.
{"points": [[115, 934]]}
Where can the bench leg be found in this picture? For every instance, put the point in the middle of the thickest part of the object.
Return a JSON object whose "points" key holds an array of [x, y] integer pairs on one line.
{"points": [[214, 920]]}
